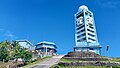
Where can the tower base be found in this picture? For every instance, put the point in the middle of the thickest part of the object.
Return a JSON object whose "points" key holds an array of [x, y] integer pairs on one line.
{"points": [[95, 49]]}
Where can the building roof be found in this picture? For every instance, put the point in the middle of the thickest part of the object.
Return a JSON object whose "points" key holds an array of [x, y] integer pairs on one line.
{"points": [[26, 44], [83, 7], [46, 42], [24, 41]]}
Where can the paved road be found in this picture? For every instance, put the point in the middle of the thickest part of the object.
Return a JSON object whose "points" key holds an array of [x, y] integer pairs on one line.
{"points": [[48, 62]]}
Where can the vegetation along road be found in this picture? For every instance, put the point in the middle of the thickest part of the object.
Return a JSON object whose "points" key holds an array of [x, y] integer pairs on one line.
{"points": [[48, 62]]}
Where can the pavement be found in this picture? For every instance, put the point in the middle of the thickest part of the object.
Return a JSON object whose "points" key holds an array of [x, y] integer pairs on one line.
{"points": [[48, 62]]}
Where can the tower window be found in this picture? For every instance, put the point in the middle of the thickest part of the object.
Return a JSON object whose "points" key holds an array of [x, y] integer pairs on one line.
{"points": [[90, 15], [78, 36], [91, 35], [91, 39], [90, 24], [86, 13], [78, 40], [82, 30], [80, 27], [78, 32], [90, 30], [82, 34], [82, 39], [91, 27], [91, 48], [79, 14]]}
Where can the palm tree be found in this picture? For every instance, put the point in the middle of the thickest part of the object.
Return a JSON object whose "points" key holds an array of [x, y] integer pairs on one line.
{"points": [[4, 53], [13, 50]]}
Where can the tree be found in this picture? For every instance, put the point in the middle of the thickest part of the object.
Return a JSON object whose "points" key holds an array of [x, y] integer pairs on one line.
{"points": [[4, 54], [12, 50], [21, 52]]}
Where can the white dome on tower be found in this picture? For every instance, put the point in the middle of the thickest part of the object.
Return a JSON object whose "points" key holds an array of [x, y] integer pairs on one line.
{"points": [[83, 7]]}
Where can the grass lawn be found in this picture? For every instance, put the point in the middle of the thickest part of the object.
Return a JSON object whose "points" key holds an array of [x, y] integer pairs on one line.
{"points": [[112, 60], [66, 60], [57, 66], [38, 61], [115, 60]]}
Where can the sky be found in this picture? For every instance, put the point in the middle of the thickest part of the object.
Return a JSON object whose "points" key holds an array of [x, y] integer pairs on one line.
{"points": [[53, 21]]}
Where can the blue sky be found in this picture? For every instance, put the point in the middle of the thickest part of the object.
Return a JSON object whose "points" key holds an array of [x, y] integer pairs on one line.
{"points": [[53, 20]]}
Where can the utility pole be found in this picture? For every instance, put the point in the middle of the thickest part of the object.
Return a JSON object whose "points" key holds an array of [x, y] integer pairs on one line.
{"points": [[108, 54], [107, 51]]}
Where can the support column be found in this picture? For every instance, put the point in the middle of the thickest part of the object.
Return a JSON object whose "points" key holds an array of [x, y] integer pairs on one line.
{"points": [[46, 50]]}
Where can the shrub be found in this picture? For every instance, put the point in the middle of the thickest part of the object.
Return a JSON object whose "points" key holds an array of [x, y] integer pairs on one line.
{"points": [[55, 66], [116, 67]]}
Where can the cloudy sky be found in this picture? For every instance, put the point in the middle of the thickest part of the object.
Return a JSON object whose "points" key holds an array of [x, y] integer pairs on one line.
{"points": [[53, 20]]}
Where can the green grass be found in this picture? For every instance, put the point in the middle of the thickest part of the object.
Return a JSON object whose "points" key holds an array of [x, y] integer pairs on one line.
{"points": [[38, 61], [57, 66], [115, 60], [66, 60]]}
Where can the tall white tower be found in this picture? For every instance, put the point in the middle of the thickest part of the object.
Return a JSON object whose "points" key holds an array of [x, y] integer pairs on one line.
{"points": [[85, 34]]}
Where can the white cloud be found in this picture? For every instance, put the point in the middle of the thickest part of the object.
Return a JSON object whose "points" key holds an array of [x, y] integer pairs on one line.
{"points": [[7, 34], [108, 3]]}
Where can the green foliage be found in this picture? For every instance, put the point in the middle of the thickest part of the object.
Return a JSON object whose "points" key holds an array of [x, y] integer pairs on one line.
{"points": [[21, 52], [67, 60], [115, 60], [4, 54], [55, 66], [58, 66], [116, 67], [26, 55], [12, 50]]}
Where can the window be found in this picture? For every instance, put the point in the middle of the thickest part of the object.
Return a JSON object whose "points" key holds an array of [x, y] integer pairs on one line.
{"points": [[78, 36], [78, 32], [91, 35], [90, 15], [78, 40], [90, 24], [91, 48], [83, 39], [80, 27], [79, 14], [91, 27], [86, 13], [82, 34], [90, 30], [91, 39], [82, 30]]}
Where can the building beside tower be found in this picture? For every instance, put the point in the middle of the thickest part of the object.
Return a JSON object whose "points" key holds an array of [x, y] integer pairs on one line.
{"points": [[26, 44], [46, 48], [85, 34]]}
